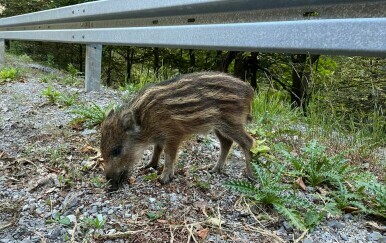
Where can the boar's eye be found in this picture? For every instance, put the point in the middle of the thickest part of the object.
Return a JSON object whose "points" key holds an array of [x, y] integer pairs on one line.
{"points": [[116, 151]]}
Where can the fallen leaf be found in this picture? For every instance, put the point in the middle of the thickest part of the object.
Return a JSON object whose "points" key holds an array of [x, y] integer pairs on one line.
{"points": [[349, 209], [300, 183], [374, 225], [49, 190], [132, 180], [216, 221], [203, 234], [162, 221]]}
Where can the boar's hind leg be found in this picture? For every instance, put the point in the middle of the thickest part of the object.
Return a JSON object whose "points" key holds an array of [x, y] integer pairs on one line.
{"points": [[225, 144], [171, 150], [245, 141], [158, 148]]}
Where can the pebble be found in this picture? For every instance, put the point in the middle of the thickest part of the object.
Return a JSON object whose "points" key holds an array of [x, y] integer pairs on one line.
{"points": [[343, 237], [375, 236], [335, 224], [72, 218], [152, 200], [287, 226]]}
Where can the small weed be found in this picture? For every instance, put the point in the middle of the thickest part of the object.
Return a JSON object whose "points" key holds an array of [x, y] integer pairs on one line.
{"points": [[97, 222], [68, 100], [98, 182], [9, 74], [317, 167], [48, 78], [72, 79], [52, 95], [203, 185], [150, 177], [90, 116], [60, 219], [152, 216]]}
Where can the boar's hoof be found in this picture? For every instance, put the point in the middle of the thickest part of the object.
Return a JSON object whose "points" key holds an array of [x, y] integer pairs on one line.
{"points": [[165, 178], [217, 170]]}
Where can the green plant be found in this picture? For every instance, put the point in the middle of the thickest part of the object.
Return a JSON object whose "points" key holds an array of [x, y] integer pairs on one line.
{"points": [[374, 194], [68, 100], [56, 217], [317, 167], [90, 115], [9, 74], [73, 73], [203, 185], [98, 183], [52, 95], [152, 216], [97, 222], [48, 78], [150, 177]]}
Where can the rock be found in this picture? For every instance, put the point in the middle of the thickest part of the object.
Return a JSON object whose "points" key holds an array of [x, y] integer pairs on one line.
{"points": [[336, 224], [281, 231], [55, 233], [88, 132], [287, 226], [152, 200], [111, 211], [70, 201], [343, 237], [173, 197], [72, 218], [112, 231], [375, 236], [25, 207]]}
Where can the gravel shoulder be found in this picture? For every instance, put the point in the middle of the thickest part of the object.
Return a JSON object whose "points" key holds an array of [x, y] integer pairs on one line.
{"points": [[51, 173]]}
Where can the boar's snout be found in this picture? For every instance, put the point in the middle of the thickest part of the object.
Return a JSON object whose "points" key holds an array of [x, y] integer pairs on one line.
{"points": [[116, 179]]}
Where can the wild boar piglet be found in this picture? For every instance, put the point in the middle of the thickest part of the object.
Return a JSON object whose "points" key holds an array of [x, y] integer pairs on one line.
{"points": [[167, 113]]}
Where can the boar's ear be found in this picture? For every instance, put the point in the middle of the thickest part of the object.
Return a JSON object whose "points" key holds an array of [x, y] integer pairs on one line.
{"points": [[128, 122]]}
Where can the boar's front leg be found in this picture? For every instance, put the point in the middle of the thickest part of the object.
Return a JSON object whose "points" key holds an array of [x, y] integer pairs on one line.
{"points": [[225, 144], [158, 148], [171, 150]]}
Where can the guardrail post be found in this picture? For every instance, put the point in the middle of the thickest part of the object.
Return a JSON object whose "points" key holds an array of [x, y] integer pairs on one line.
{"points": [[2, 52], [93, 67]]}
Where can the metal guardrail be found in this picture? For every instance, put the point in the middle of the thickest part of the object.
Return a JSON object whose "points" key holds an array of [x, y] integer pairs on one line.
{"points": [[340, 27]]}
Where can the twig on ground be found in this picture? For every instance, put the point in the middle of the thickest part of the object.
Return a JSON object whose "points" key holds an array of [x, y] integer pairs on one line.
{"points": [[265, 233], [301, 237], [120, 235]]}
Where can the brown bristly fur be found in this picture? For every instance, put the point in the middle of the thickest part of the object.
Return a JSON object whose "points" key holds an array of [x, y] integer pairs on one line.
{"points": [[167, 113]]}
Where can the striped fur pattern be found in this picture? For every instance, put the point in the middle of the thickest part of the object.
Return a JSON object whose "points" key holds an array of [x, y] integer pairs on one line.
{"points": [[167, 113]]}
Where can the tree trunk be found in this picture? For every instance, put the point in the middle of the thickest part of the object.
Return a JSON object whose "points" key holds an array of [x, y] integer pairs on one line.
{"points": [[156, 65], [253, 61], [129, 62], [301, 74], [192, 57]]}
